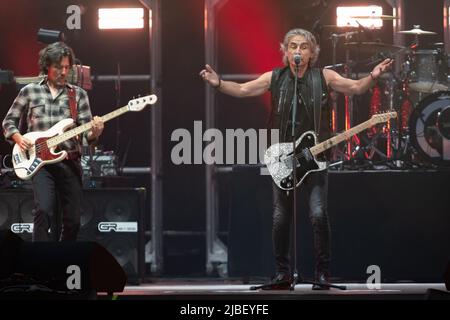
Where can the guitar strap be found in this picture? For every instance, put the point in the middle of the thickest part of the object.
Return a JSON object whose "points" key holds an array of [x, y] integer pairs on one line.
{"points": [[73, 155], [72, 103]]}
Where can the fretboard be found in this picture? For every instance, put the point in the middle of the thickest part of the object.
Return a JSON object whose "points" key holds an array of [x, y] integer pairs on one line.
{"points": [[85, 127], [327, 144]]}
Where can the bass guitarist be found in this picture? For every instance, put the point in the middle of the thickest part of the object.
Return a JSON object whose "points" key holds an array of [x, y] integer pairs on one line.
{"points": [[313, 84], [38, 107]]}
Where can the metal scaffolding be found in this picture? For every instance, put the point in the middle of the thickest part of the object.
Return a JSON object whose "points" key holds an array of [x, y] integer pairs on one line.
{"points": [[216, 251], [153, 250], [446, 11]]}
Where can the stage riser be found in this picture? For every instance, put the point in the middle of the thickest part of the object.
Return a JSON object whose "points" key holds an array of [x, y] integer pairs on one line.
{"points": [[399, 221]]}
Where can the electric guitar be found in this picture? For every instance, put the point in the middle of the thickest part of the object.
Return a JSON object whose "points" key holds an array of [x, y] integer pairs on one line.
{"points": [[27, 162], [278, 157]]}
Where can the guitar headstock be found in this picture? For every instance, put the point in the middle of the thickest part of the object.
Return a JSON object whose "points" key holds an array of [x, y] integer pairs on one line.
{"points": [[140, 103], [383, 117]]}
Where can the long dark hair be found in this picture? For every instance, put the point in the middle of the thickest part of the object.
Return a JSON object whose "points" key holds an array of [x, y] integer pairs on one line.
{"points": [[53, 53]]}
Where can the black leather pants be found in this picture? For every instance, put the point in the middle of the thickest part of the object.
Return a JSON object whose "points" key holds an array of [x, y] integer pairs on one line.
{"points": [[316, 185]]}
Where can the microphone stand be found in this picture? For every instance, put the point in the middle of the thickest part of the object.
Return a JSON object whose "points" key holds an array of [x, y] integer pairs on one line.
{"points": [[295, 276]]}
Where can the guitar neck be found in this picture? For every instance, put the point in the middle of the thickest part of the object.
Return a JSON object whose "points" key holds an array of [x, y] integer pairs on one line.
{"points": [[327, 144], [85, 127]]}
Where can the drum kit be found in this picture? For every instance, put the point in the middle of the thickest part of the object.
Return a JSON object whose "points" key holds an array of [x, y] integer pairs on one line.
{"points": [[419, 92]]}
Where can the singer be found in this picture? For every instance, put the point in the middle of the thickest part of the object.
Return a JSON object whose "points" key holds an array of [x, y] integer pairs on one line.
{"points": [[299, 53]]}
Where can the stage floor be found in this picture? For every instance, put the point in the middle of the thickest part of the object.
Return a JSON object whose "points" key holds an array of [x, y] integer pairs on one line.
{"points": [[220, 290]]}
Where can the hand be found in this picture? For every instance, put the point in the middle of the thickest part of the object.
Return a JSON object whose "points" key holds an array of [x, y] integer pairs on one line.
{"points": [[210, 76], [23, 142], [97, 127], [381, 68]]}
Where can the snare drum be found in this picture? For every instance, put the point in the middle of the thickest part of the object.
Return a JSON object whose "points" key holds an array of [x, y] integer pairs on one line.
{"points": [[428, 71]]}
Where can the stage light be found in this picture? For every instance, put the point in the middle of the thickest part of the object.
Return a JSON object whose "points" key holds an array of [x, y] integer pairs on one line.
{"points": [[344, 15], [50, 36], [121, 18]]}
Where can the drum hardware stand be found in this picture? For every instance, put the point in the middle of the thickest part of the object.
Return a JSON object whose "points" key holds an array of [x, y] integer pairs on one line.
{"points": [[403, 152], [336, 153], [348, 104], [371, 146], [398, 140], [333, 95]]}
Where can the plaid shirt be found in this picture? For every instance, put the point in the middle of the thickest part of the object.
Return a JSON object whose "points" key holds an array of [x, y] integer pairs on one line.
{"points": [[43, 111]]}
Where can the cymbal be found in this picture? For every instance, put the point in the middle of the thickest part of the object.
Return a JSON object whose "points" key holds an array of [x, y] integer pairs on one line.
{"points": [[373, 47], [332, 26], [382, 17], [417, 30]]}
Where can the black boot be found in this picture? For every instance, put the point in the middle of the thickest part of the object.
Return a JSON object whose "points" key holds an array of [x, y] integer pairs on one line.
{"points": [[281, 281], [322, 277]]}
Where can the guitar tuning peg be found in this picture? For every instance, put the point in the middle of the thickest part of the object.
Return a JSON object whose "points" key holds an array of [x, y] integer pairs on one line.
{"points": [[139, 95]]}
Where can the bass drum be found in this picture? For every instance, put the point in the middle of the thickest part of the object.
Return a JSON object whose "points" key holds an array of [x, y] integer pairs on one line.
{"points": [[425, 135], [443, 122]]}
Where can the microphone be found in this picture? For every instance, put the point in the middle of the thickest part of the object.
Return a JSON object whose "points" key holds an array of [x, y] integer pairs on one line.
{"points": [[297, 59]]}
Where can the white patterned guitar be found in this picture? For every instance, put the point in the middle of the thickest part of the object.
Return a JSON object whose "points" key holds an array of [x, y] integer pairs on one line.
{"points": [[278, 158]]}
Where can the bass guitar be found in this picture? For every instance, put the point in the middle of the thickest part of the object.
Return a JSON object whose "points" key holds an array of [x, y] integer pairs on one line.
{"points": [[27, 162]]}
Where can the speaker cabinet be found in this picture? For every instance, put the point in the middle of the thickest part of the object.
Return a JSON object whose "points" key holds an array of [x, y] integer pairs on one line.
{"points": [[111, 217], [114, 219], [16, 212]]}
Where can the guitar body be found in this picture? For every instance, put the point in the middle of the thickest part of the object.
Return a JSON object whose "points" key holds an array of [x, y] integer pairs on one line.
{"points": [[27, 163], [278, 159]]}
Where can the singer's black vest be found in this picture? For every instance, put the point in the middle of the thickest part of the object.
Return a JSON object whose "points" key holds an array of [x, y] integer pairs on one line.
{"points": [[308, 117]]}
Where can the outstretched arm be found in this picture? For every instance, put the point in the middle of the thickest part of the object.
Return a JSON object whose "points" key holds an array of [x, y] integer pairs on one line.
{"points": [[350, 86], [248, 89]]}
